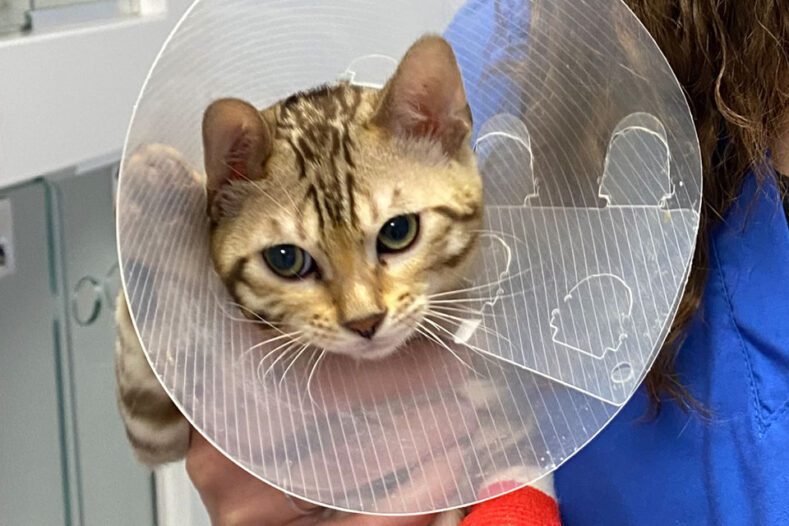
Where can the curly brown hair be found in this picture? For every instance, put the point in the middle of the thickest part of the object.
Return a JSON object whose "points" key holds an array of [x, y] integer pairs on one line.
{"points": [[732, 59]]}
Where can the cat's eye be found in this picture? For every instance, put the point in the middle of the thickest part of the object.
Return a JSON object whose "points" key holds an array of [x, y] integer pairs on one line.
{"points": [[398, 233], [289, 261]]}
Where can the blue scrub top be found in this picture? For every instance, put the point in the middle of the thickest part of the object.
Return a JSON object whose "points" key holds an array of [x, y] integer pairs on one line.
{"points": [[680, 469], [733, 469]]}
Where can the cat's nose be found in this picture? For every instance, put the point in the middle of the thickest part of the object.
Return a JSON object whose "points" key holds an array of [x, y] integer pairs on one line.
{"points": [[366, 327]]}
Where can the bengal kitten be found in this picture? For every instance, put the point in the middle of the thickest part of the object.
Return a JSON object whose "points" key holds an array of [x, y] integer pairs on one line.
{"points": [[335, 212]]}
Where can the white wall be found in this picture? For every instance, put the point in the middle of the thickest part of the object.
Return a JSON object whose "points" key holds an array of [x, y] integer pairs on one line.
{"points": [[66, 97], [178, 501]]}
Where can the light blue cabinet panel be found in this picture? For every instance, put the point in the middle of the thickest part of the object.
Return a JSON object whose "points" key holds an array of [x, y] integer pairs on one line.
{"points": [[31, 460], [114, 489], [64, 458]]}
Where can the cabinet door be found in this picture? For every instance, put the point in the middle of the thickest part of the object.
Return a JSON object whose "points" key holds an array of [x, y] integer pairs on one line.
{"points": [[31, 454], [114, 489]]}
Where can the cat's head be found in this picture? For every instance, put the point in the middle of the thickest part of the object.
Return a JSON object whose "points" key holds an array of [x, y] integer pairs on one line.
{"points": [[338, 212]]}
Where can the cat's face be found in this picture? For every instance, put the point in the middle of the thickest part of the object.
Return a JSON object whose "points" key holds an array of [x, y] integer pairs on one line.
{"points": [[338, 212]]}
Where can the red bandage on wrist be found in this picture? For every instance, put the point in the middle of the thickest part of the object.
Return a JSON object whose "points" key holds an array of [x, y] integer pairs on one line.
{"points": [[525, 507]]}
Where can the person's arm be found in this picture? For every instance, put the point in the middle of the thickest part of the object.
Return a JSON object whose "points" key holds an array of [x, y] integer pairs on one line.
{"points": [[528, 506]]}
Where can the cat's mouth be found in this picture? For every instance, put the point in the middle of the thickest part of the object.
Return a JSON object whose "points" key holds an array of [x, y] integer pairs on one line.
{"points": [[382, 345], [376, 348]]}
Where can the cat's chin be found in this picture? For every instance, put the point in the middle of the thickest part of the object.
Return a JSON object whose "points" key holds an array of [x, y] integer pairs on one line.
{"points": [[368, 350]]}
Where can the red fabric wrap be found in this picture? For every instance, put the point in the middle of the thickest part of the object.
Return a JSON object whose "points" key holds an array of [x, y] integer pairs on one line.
{"points": [[525, 507]]}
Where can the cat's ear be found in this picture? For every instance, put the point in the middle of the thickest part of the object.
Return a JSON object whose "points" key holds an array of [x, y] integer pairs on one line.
{"points": [[236, 143], [425, 97]]}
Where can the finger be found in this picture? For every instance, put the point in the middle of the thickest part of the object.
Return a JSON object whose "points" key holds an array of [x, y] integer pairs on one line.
{"points": [[427, 486], [372, 520], [433, 485], [233, 496]]}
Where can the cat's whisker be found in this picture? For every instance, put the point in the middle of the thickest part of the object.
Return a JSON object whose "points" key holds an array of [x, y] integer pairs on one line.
{"points": [[464, 314], [460, 321], [296, 340], [465, 290], [294, 336], [427, 332], [434, 339], [483, 354], [314, 369], [293, 361], [490, 284], [258, 318], [243, 320], [227, 313], [466, 345], [481, 301], [488, 299], [459, 309], [283, 353], [262, 361], [498, 233]]}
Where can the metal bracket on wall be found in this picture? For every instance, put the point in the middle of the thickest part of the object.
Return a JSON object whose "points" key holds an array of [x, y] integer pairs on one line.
{"points": [[49, 16]]}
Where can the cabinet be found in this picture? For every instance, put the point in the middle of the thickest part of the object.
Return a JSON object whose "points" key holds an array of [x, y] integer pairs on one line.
{"points": [[63, 454]]}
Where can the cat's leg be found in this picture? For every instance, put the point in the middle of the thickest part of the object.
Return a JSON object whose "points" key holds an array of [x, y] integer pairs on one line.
{"points": [[156, 429]]}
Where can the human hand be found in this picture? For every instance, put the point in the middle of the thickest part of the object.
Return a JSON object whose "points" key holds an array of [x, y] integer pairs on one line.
{"points": [[233, 497]]}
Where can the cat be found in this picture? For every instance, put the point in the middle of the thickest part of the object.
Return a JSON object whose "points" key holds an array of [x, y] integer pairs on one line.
{"points": [[334, 213], [340, 209]]}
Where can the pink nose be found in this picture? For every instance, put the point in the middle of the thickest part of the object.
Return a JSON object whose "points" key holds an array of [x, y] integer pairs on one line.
{"points": [[366, 327]]}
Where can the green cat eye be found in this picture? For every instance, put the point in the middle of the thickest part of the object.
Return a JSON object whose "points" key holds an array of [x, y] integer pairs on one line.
{"points": [[289, 261], [398, 233]]}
